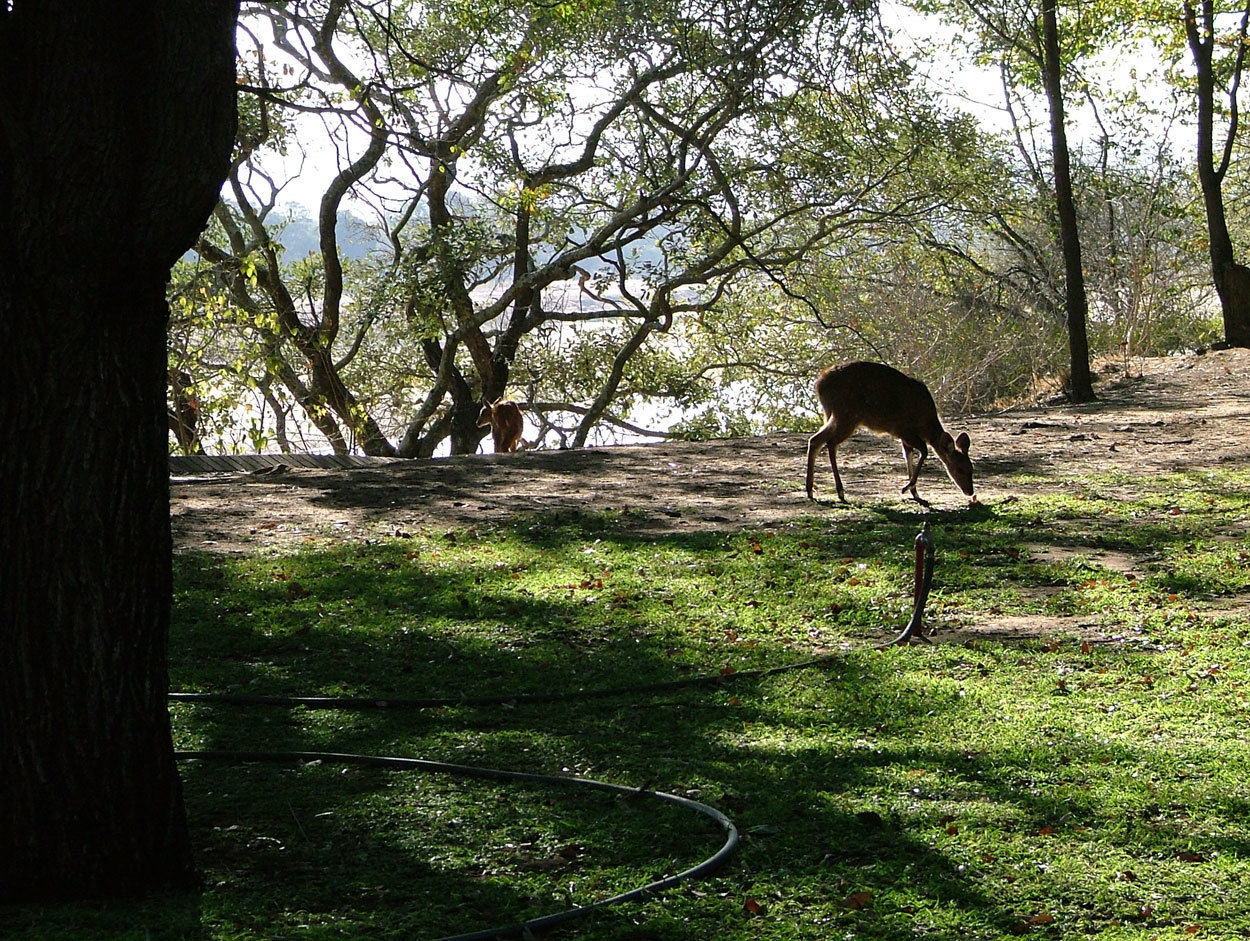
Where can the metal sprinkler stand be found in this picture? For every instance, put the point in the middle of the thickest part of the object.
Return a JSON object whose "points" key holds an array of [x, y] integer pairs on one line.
{"points": [[920, 591]]}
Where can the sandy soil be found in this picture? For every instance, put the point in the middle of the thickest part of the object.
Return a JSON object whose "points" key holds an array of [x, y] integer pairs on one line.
{"points": [[1166, 415]]}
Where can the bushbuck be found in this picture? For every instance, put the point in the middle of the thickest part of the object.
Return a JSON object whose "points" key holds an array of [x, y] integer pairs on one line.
{"points": [[882, 399], [505, 423]]}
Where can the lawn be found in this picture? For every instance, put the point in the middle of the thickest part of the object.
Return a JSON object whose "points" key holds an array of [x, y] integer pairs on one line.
{"points": [[1083, 773]]}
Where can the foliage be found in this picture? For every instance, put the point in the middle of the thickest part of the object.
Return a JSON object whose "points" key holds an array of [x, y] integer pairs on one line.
{"points": [[1143, 267], [651, 154], [565, 221], [577, 206]]}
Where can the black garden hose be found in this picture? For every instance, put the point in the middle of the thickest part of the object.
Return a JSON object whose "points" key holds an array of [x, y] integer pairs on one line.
{"points": [[508, 699], [920, 593], [492, 774]]}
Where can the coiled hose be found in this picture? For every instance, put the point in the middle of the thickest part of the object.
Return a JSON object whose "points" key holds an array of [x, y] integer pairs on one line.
{"points": [[920, 593]]}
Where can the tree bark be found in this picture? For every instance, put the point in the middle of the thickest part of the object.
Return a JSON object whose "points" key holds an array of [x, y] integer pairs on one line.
{"points": [[1232, 281], [1076, 302], [107, 115], [461, 416]]}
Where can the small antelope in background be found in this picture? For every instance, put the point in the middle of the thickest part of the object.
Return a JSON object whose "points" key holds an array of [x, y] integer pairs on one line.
{"points": [[882, 399], [505, 423]]}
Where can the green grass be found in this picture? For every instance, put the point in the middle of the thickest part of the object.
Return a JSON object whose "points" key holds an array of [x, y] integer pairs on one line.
{"points": [[1086, 783]]}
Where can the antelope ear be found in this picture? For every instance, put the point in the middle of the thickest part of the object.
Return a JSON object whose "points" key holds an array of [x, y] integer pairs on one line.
{"points": [[963, 442]]}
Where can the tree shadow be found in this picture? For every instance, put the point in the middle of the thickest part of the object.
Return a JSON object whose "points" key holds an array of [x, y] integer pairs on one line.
{"points": [[427, 632], [673, 734], [170, 917]]}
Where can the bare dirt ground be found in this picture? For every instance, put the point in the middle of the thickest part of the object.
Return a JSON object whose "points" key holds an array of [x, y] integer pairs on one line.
{"points": [[1166, 415], [1169, 414]]}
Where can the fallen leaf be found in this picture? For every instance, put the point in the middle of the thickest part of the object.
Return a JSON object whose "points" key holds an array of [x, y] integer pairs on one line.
{"points": [[551, 863], [858, 901]]}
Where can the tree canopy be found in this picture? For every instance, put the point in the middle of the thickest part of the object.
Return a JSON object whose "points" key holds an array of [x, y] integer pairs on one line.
{"points": [[628, 216]]}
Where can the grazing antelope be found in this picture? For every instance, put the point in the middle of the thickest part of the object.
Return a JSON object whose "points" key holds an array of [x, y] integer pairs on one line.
{"points": [[882, 399], [505, 423]]}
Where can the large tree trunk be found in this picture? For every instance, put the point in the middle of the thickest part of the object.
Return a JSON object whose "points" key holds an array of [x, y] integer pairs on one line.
{"points": [[91, 803], [116, 124], [1077, 304], [1232, 281]]}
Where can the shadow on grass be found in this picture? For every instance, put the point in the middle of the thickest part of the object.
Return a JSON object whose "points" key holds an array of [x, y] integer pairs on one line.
{"points": [[324, 851], [430, 632], [163, 918]]}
